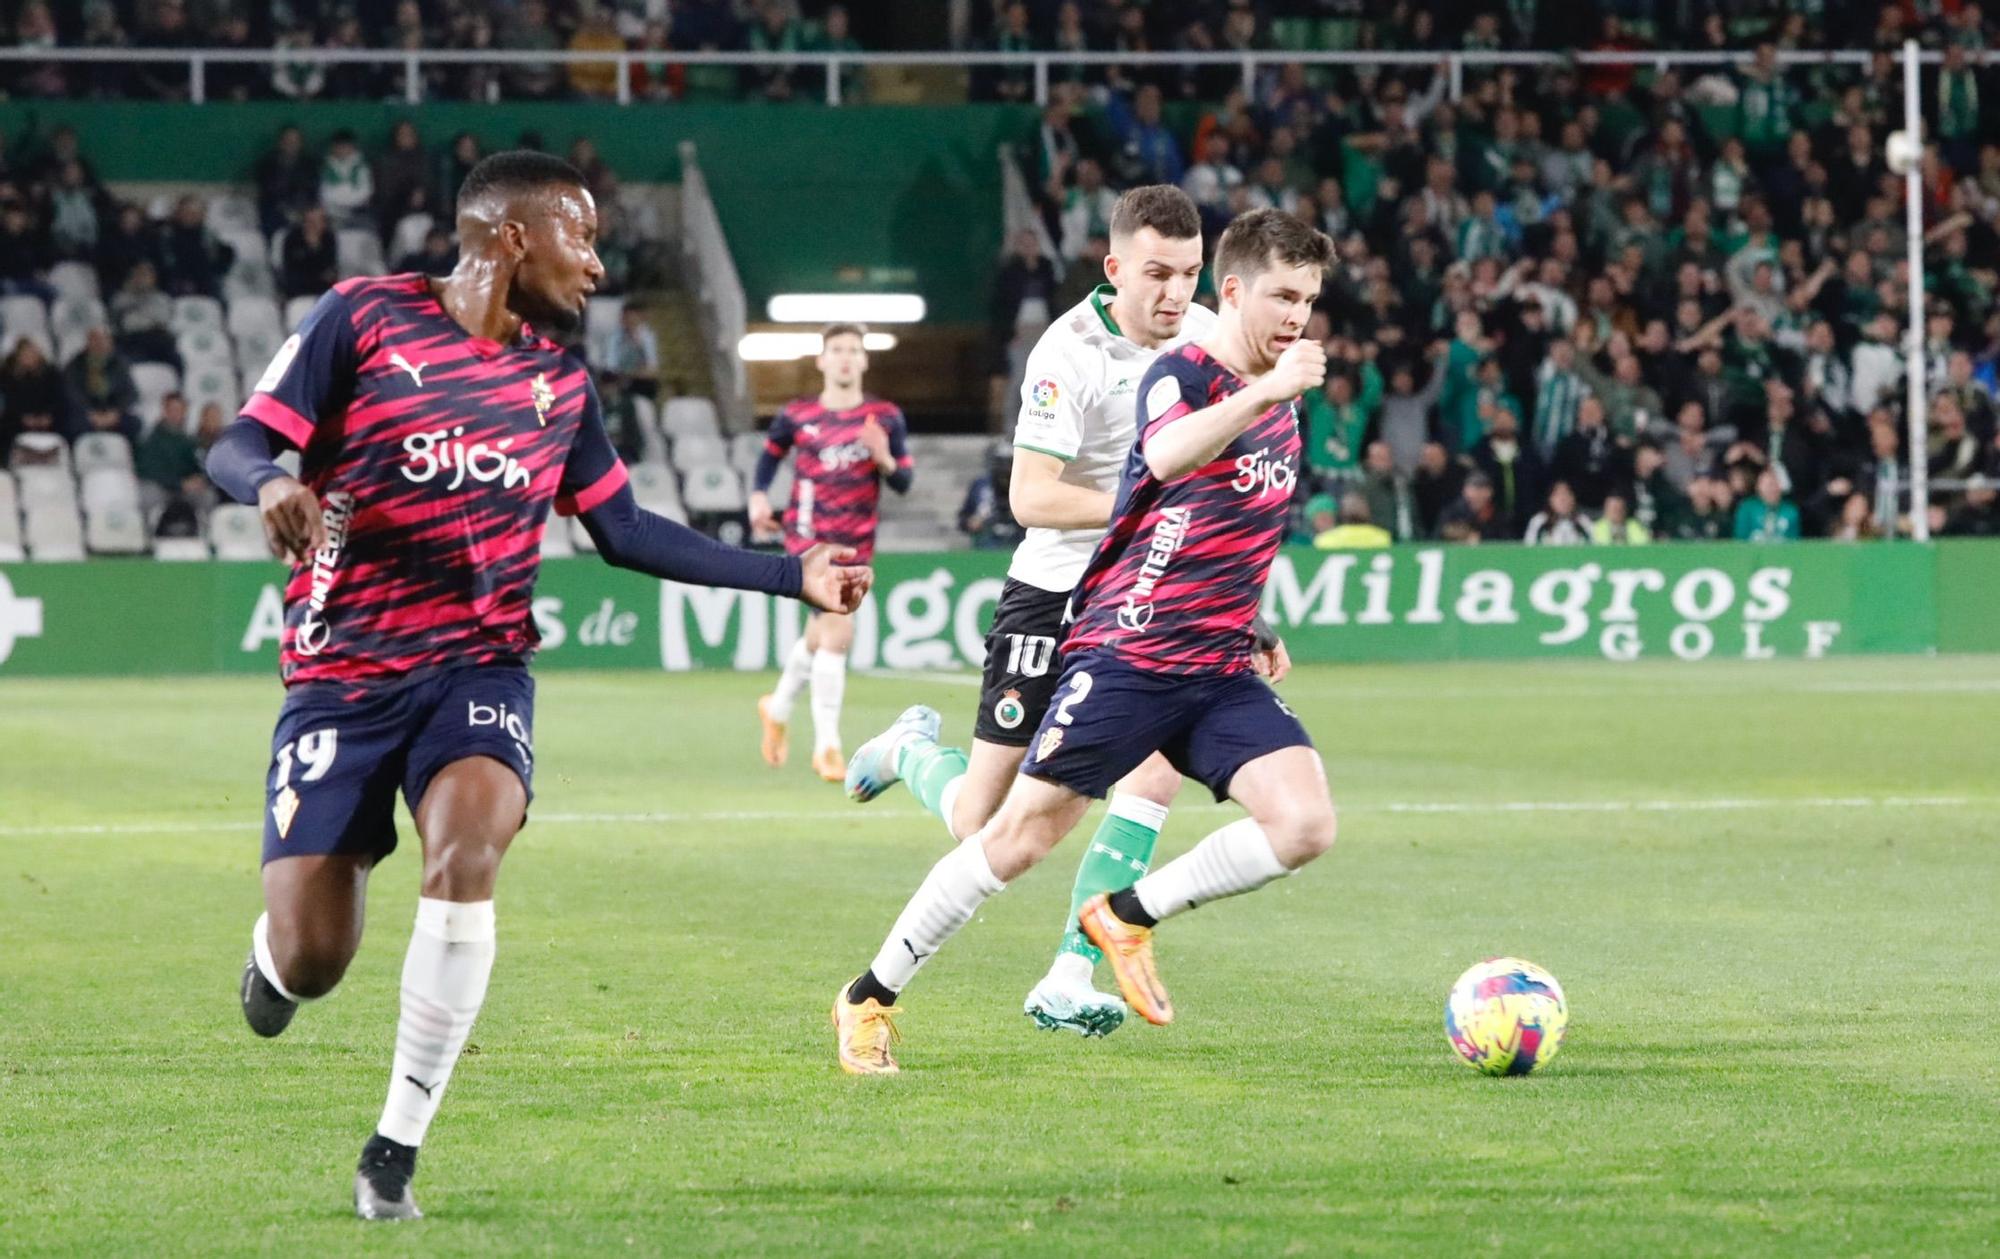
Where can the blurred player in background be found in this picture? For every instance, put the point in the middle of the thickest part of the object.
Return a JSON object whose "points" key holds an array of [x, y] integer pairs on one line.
{"points": [[1157, 655], [1075, 431], [438, 428], [848, 446]]}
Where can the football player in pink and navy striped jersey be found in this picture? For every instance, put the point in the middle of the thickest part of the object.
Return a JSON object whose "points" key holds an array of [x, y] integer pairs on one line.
{"points": [[845, 446], [437, 428], [1158, 655]]}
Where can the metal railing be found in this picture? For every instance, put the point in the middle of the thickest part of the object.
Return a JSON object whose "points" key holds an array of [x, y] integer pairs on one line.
{"points": [[710, 271], [414, 63]]}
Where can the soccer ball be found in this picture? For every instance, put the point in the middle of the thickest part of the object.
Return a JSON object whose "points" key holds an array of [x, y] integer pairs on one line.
{"points": [[1506, 1016], [1901, 152]]}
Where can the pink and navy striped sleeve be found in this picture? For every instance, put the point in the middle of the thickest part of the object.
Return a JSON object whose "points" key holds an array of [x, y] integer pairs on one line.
{"points": [[593, 472], [313, 374]]}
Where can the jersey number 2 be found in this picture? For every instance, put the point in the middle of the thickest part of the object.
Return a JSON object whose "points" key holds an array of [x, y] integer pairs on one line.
{"points": [[1079, 686]]}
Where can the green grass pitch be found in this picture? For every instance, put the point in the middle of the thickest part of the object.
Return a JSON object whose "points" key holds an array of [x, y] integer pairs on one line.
{"points": [[1769, 890]]}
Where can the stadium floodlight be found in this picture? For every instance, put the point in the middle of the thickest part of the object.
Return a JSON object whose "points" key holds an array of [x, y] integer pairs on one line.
{"points": [[823, 308], [783, 347]]}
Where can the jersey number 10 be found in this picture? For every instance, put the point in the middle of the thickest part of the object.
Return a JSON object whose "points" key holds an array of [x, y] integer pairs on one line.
{"points": [[1028, 655]]}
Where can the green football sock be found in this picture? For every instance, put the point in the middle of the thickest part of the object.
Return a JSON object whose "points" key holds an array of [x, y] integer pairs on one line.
{"points": [[928, 769], [1120, 851]]}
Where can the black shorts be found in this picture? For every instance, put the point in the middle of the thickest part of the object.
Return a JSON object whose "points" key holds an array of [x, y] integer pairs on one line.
{"points": [[1110, 716], [1022, 663], [337, 758]]}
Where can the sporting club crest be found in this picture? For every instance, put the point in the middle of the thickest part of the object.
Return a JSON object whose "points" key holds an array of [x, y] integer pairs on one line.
{"points": [[543, 397]]}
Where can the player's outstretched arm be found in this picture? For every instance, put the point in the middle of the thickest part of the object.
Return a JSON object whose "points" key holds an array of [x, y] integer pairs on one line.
{"points": [[630, 537], [243, 463], [1194, 440]]}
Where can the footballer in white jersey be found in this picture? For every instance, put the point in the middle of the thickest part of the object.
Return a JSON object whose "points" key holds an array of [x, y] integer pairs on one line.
{"points": [[1078, 406], [1077, 420]]}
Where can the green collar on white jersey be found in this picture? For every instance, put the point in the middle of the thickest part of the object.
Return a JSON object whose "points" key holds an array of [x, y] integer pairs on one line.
{"points": [[1097, 296]]}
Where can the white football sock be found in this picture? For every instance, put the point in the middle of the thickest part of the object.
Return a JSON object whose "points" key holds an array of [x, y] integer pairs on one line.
{"points": [[798, 666], [1072, 970], [955, 888], [1236, 859], [260, 945], [829, 683], [948, 802], [444, 982]]}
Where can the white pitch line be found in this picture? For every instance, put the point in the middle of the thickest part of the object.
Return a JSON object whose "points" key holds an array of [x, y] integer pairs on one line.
{"points": [[1719, 805]]}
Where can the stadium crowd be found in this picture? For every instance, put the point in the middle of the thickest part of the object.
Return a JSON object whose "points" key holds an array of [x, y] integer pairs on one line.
{"points": [[95, 295], [1588, 303]]}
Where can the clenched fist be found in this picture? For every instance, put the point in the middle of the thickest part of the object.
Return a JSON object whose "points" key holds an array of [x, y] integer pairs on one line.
{"points": [[1300, 369], [292, 521]]}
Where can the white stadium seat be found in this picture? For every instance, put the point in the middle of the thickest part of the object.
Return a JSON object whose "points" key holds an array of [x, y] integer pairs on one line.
{"points": [[698, 450], [236, 531], [654, 487], [408, 236], [296, 311], [24, 316], [105, 488], [11, 551], [556, 541], [250, 275], [73, 318], [39, 454], [180, 549], [232, 212], [206, 347], [744, 449], [53, 529], [197, 312], [600, 325], [211, 382], [712, 488], [102, 450], [74, 281], [358, 251], [115, 531], [154, 381], [253, 314], [684, 416], [256, 349]]}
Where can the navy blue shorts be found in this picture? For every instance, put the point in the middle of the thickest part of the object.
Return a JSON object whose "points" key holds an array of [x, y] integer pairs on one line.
{"points": [[1107, 717], [337, 758]]}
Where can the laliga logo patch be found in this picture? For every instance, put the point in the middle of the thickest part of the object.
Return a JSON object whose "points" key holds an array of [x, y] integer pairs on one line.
{"points": [[1009, 712], [1045, 393], [1051, 740]]}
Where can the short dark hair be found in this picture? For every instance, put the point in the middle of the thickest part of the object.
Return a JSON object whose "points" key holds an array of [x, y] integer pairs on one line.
{"points": [[516, 172], [833, 330], [1162, 207], [1259, 238]]}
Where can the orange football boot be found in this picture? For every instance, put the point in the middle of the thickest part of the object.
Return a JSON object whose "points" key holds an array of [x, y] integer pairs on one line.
{"points": [[1129, 949], [863, 1033], [776, 746]]}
